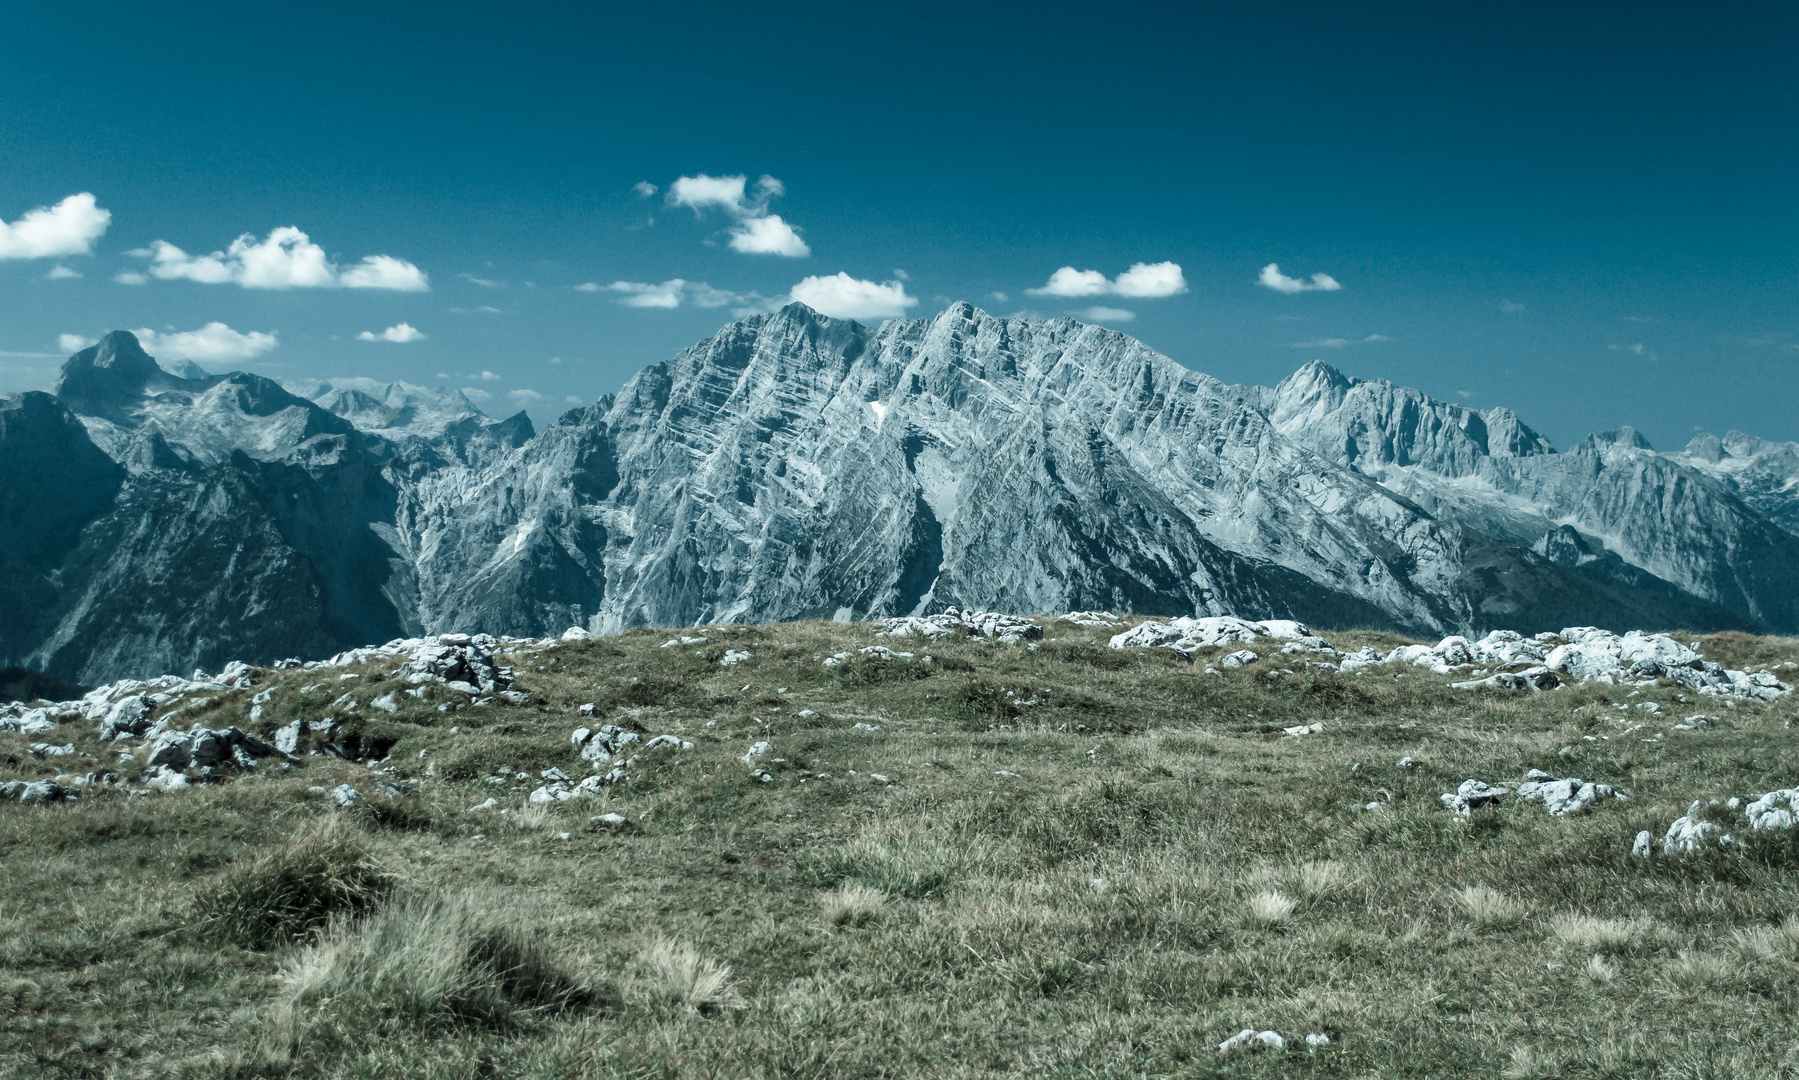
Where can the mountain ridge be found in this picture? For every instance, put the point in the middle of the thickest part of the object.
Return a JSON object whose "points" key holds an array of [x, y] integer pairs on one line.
{"points": [[795, 465]]}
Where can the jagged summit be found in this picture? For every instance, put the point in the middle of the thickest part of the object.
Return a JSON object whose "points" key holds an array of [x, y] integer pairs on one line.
{"points": [[110, 374], [795, 465]]}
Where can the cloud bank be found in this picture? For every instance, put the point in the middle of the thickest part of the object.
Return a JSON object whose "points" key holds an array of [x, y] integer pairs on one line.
{"points": [[214, 341], [286, 259], [672, 294], [1145, 281], [1281, 283], [1338, 343], [68, 228], [399, 334], [843, 297], [757, 231]]}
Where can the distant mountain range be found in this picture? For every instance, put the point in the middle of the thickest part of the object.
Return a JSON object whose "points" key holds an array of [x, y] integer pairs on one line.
{"points": [[800, 466]]}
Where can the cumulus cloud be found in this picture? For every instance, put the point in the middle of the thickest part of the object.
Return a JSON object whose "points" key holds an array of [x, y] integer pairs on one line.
{"points": [[768, 235], [1281, 283], [129, 277], [522, 398], [1106, 314], [486, 376], [68, 228], [588, 286], [1144, 281], [673, 293], [1338, 343], [74, 343], [486, 283], [399, 334], [214, 341], [573, 400], [475, 393], [843, 297], [644, 189], [60, 272], [757, 231], [286, 259]]}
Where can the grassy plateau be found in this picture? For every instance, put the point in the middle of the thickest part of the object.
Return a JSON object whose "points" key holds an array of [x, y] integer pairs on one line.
{"points": [[1052, 861]]}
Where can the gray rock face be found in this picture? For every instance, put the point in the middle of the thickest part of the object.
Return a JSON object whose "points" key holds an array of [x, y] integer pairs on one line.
{"points": [[800, 466]]}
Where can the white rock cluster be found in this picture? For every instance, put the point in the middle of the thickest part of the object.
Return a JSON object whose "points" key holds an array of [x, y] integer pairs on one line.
{"points": [[1186, 635], [1543, 662], [1691, 831], [1005, 629], [1565, 795]]}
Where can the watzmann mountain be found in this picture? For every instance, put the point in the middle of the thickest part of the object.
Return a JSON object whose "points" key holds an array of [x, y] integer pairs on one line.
{"points": [[800, 466]]}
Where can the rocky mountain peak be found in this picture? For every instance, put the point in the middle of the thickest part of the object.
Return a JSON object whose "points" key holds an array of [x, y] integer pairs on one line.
{"points": [[109, 374]]}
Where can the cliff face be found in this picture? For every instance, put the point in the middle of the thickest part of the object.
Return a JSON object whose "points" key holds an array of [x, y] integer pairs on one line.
{"points": [[800, 466]]}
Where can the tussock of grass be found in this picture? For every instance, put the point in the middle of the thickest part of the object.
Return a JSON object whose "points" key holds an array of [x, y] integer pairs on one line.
{"points": [[1270, 910], [422, 966], [1600, 970], [1612, 937], [1529, 1063], [1487, 908], [851, 904], [676, 972], [293, 890]]}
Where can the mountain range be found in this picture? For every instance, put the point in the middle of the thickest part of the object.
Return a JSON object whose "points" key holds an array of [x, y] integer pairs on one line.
{"points": [[798, 466]]}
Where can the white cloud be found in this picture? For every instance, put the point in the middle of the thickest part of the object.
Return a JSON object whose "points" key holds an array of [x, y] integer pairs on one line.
{"points": [[644, 189], [1106, 314], [286, 259], [484, 309], [68, 228], [588, 286], [526, 398], [486, 376], [1070, 283], [475, 393], [998, 297], [60, 272], [757, 231], [1509, 308], [573, 400], [1146, 281], [843, 297], [73, 343], [768, 235], [130, 277], [902, 275], [1464, 394], [214, 341], [1151, 281], [676, 291], [399, 334], [1338, 343], [1281, 283], [488, 283]]}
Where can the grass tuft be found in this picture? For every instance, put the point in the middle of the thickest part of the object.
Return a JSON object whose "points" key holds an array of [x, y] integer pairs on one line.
{"points": [[851, 904], [1270, 910], [424, 966], [676, 972], [293, 890], [1487, 908]]}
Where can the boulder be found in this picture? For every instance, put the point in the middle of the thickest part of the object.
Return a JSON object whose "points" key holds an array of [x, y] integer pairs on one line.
{"points": [[1472, 795], [128, 716]]}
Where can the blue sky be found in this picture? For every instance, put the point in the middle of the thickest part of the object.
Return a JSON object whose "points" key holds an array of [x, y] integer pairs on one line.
{"points": [[1587, 215]]}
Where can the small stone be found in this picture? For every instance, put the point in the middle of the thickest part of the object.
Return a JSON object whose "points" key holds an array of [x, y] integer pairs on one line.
{"points": [[1318, 1038], [1643, 846], [345, 795], [611, 820], [861, 726], [488, 805], [1405, 763], [388, 702], [756, 751]]}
